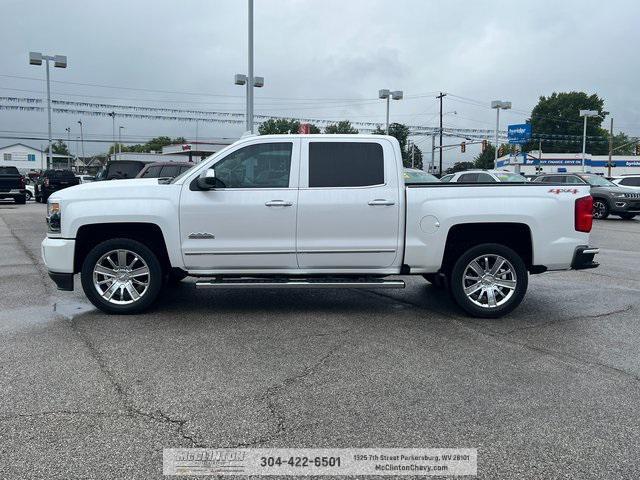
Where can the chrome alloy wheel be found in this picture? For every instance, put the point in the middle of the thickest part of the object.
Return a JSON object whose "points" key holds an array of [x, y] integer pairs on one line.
{"points": [[489, 281], [121, 277]]}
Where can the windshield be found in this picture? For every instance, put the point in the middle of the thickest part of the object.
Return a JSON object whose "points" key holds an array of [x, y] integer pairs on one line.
{"points": [[597, 181], [510, 177], [418, 176]]}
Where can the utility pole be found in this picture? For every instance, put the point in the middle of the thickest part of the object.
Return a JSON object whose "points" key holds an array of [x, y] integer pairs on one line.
{"points": [[113, 132], [81, 140], [610, 148], [68, 129], [441, 96], [433, 153]]}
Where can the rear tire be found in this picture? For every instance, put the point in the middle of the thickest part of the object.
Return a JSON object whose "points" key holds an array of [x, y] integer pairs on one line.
{"points": [[121, 276], [28, 195], [20, 200], [489, 280]]}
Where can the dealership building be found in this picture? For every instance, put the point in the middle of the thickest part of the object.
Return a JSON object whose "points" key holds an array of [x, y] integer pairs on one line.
{"points": [[569, 163], [27, 158]]}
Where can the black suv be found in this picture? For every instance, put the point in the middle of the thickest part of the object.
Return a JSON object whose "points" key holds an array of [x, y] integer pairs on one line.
{"points": [[51, 181], [608, 197]]}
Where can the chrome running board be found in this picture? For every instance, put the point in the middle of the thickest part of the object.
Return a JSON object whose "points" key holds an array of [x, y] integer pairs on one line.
{"points": [[302, 283]]}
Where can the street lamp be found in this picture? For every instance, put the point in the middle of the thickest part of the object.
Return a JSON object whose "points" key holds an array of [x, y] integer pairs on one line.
{"points": [[258, 82], [59, 61], [585, 114], [120, 128], [81, 139], [504, 105], [385, 94]]}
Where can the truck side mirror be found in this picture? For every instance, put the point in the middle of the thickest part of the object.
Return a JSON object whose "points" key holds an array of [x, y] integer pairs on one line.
{"points": [[207, 180]]}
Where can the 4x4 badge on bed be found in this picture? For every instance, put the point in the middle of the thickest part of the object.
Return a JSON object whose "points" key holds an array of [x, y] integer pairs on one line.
{"points": [[558, 191]]}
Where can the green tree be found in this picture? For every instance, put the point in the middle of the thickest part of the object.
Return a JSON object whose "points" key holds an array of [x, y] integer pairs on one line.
{"points": [[282, 126], [484, 160], [153, 145], [59, 148], [558, 114], [622, 145], [417, 157], [459, 167], [343, 126], [400, 132]]}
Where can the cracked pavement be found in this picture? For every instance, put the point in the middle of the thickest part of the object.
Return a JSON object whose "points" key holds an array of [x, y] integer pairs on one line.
{"points": [[552, 391]]}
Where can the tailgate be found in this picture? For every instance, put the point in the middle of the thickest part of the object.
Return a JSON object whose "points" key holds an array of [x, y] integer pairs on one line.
{"points": [[9, 182]]}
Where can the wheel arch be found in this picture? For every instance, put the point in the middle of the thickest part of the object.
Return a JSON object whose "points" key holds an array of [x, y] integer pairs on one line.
{"points": [[90, 235], [462, 237]]}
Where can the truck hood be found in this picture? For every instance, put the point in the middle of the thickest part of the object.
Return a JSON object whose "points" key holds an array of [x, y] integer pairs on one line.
{"points": [[117, 189]]}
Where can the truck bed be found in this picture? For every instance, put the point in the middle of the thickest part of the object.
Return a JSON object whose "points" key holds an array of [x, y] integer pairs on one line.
{"points": [[546, 211]]}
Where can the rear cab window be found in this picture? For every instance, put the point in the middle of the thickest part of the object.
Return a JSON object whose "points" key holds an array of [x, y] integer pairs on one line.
{"points": [[345, 164]]}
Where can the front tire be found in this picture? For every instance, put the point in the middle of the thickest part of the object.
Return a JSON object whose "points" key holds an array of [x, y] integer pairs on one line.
{"points": [[121, 276], [600, 209], [627, 216], [489, 280], [20, 200]]}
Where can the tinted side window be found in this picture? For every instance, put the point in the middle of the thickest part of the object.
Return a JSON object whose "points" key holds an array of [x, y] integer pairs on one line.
{"points": [[572, 180], [345, 164], [265, 165], [468, 178], [123, 169], [485, 177], [152, 172], [446, 178], [631, 181], [169, 171]]}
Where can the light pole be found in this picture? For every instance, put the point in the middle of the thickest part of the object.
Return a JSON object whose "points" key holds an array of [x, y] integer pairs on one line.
{"points": [[249, 80], [59, 61], [504, 105], [68, 129], [113, 132], [385, 94], [81, 139], [120, 128], [258, 82], [585, 114]]}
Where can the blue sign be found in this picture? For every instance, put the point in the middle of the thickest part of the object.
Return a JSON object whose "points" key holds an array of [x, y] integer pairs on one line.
{"points": [[519, 134]]}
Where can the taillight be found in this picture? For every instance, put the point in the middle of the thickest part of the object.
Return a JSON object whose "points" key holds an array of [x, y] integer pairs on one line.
{"points": [[584, 214], [46, 182]]}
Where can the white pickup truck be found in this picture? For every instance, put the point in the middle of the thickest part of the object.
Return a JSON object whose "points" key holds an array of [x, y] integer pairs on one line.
{"points": [[313, 211]]}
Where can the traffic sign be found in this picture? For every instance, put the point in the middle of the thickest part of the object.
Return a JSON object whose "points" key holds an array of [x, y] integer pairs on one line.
{"points": [[519, 134]]}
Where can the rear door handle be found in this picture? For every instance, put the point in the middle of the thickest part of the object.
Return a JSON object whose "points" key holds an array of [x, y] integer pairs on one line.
{"points": [[278, 203], [381, 201]]}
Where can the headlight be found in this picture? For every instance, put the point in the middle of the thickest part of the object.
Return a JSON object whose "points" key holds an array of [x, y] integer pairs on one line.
{"points": [[54, 216], [620, 195]]}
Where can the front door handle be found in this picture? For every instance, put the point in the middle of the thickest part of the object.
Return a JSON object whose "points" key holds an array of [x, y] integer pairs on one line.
{"points": [[381, 201], [278, 203]]}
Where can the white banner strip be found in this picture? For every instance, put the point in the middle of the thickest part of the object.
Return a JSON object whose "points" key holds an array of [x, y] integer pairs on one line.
{"points": [[320, 461]]}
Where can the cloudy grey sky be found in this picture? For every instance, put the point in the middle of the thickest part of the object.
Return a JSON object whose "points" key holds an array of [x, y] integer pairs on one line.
{"points": [[342, 51]]}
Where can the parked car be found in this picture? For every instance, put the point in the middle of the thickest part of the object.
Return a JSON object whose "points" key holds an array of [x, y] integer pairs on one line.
{"points": [[120, 169], [414, 175], [29, 186], [628, 181], [51, 181], [312, 211], [608, 198], [12, 185], [483, 176], [163, 169], [86, 178]]}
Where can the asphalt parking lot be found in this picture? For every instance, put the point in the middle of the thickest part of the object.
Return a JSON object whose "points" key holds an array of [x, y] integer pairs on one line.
{"points": [[552, 391]]}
